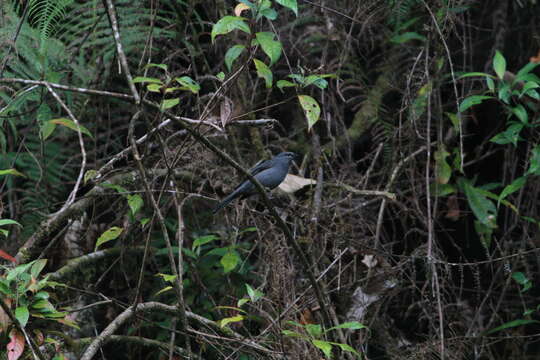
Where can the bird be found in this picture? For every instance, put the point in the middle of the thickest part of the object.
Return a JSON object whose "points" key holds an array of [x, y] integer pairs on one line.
{"points": [[270, 173]]}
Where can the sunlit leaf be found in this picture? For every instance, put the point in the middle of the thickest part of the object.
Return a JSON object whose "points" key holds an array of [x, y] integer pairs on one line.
{"points": [[499, 64], [109, 235], [264, 72], [135, 203], [169, 103], [22, 314], [189, 84], [227, 24], [270, 47], [325, 347], [230, 260], [311, 109]]}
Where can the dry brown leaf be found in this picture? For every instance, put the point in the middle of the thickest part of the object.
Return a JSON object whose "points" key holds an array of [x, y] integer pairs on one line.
{"points": [[239, 8], [293, 183]]}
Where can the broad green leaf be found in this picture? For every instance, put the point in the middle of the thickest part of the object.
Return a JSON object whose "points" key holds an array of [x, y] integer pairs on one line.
{"points": [[314, 330], [511, 324], [291, 4], [520, 76], [71, 125], [203, 240], [4, 288], [143, 79], [311, 109], [230, 260], [4, 222], [37, 267], [232, 54], [46, 129], [169, 103], [284, 83], [220, 76], [189, 84], [135, 203], [227, 24], [22, 314], [534, 162], [353, 325], [509, 136], [521, 113], [316, 80], [270, 14], [482, 207], [224, 322], [490, 84], [108, 235], [408, 36], [471, 101], [513, 187], [346, 347], [499, 64], [154, 88], [270, 47], [443, 171], [264, 71], [325, 347]]}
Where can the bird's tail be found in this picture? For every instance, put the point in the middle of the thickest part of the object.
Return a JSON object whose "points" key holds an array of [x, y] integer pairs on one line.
{"points": [[225, 202]]}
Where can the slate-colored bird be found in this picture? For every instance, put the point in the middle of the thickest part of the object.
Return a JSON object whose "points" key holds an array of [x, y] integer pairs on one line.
{"points": [[270, 173]]}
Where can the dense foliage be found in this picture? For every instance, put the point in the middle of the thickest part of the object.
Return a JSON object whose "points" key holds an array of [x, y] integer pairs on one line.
{"points": [[408, 228]]}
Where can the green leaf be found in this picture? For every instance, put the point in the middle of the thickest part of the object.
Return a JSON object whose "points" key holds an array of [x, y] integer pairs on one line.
{"points": [[165, 289], [135, 203], [474, 74], [408, 36], [160, 66], [509, 136], [292, 333], [46, 129], [154, 88], [232, 54], [490, 84], [264, 72], [233, 319], [311, 109], [471, 101], [4, 222], [522, 280], [346, 347], [325, 347], [227, 24], [284, 83], [230, 260], [314, 330], [353, 325], [22, 314], [203, 240], [71, 125], [270, 47], [37, 267], [169, 103], [253, 294], [142, 79], [521, 74], [511, 324], [316, 80], [513, 187], [189, 84], [441, 190], [291, 4], [499, 64], [521, 113], [220, 76], [534, 162], [482, 207], [270, 14], [108, 235]]}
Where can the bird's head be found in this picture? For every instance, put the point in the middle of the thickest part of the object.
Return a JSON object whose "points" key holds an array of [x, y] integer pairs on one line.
{"points": [[289, 156]]}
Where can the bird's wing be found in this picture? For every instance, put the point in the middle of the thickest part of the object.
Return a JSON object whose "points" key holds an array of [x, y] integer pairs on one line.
{"points": [[260, 166]]}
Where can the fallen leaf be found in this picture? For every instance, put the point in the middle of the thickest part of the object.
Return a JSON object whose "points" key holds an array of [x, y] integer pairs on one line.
{"points": [[293, 183], [15, 347], [239, 8]]}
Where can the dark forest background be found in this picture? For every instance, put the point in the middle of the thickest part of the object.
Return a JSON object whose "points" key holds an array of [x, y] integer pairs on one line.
{"points": [[407, 229]]}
